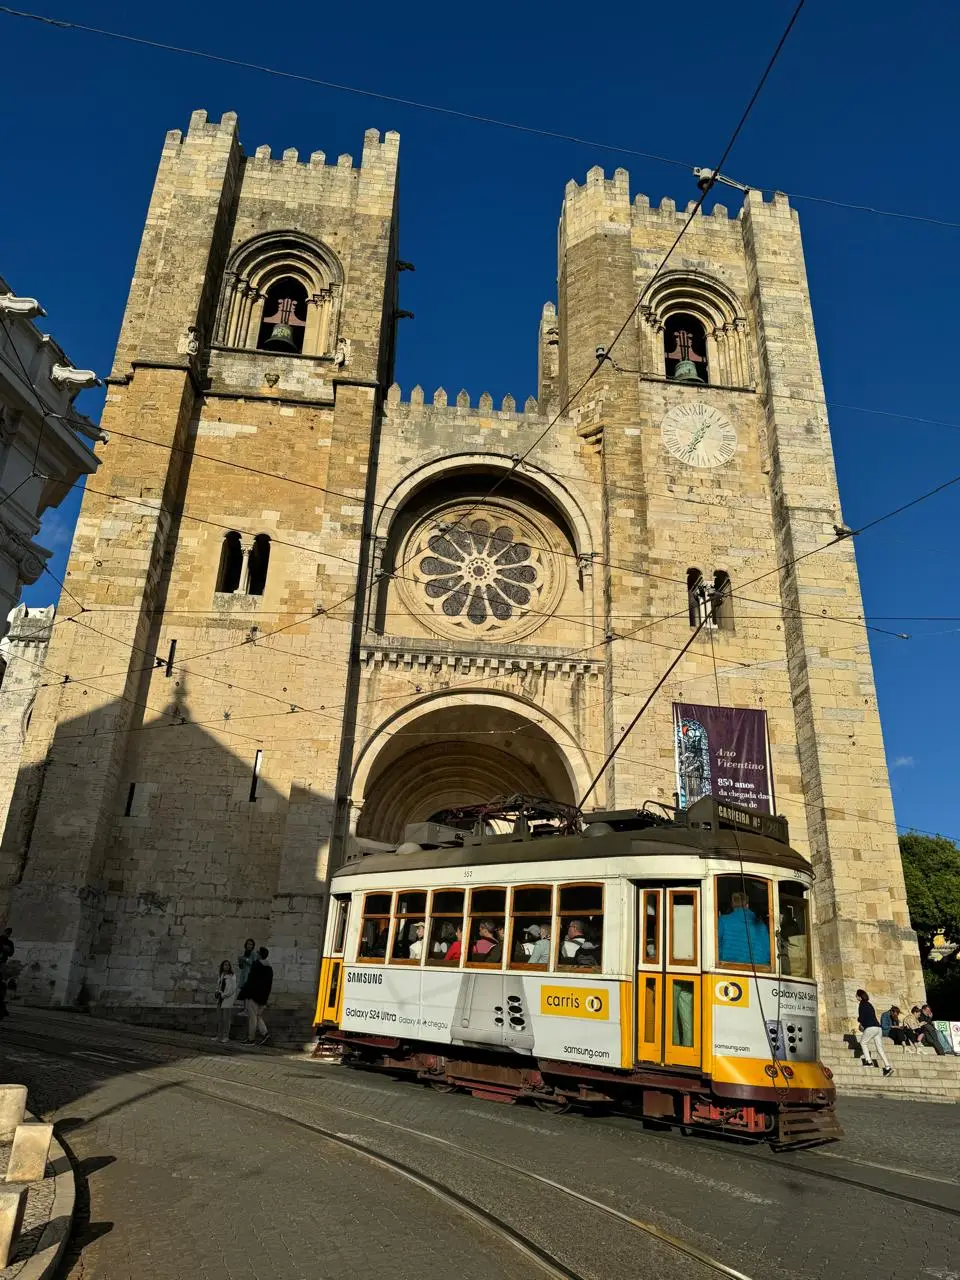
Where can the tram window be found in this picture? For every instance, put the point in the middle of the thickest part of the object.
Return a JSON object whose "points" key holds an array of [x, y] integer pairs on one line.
{"points": [[446, 927], [531, 924], [581, 927], [342, 907], [683, 998], [410, 928], [683, 927], [743, 921], [794, 929], [487, 924], [650, 1011], [651, 927], [375, 927]]}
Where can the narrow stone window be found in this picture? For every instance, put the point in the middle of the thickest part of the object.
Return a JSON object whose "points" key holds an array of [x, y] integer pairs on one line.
{"points": [[257, 564], [231, 564], [685, 348], [128, 807], [722, 600], [255, 779], [284, 317], [695, 596]]}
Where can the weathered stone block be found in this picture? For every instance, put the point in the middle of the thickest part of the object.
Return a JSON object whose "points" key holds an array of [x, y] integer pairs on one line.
{"points": [[13, 1202], [13, 1104], [28, 1156]]}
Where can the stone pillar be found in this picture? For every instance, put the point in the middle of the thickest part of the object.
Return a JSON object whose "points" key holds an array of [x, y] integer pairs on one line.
{"points": [[24, 648]]}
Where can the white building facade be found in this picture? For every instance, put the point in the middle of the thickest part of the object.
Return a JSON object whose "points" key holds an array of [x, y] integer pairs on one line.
{"points": [[45, 444]]}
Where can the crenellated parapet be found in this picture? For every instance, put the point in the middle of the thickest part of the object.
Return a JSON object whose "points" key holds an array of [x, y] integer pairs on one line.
{"points": [[604, 203], [379, 151], [441, 408]]}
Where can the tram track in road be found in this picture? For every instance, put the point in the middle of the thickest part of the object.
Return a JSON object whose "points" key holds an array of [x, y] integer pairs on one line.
{"points": [[794, 1163], [529, 1249], [547, 1263], [545, 1260]]}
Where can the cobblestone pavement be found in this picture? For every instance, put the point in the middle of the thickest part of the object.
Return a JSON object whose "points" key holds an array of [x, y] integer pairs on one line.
{"points": [[183, 1179]]}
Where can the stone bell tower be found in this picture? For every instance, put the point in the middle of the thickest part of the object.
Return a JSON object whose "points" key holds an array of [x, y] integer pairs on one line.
{"points": [[713, 444], [162, 814]]}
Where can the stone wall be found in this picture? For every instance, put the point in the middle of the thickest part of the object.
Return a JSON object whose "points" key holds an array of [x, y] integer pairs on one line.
{"points": [[460, 600]]}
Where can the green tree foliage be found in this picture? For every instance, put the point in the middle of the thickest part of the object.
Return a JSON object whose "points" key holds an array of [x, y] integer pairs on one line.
{"points": [[931, 869]]}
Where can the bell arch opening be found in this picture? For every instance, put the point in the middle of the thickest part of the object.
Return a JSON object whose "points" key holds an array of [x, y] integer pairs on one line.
{"points": [[455, 756]]}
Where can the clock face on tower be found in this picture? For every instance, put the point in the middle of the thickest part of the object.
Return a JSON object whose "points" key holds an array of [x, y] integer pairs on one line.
{"points": [[699, 435]]}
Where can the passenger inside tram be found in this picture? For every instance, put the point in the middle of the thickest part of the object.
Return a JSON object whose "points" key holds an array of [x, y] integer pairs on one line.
{"points": [[488, 943], [373, 942], [452, 955], [540, 954], [576, 948], [743, 922], [416, 946]]}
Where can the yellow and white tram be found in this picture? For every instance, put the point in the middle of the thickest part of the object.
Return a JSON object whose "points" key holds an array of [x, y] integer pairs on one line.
{"points": [[660, 963]]}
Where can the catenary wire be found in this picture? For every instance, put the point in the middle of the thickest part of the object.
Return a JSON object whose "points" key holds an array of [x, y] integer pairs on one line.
{"points": [[604, 356], [601, 359], [453, 112]]}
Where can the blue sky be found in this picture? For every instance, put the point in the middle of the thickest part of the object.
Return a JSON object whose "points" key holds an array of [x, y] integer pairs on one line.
{"points": [[861, 108]]}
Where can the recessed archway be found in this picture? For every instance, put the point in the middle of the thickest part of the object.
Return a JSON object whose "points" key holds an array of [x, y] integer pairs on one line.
{"points": [[467, 751]]}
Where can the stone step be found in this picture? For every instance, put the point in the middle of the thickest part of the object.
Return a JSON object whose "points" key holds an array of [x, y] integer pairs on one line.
{"points": [[923, 1076]]}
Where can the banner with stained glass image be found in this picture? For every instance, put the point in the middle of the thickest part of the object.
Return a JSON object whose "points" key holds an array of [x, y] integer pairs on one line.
{"points": [[723, 752]]}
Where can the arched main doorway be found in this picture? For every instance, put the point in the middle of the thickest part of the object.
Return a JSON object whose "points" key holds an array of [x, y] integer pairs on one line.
{"points": [[460, 754]]}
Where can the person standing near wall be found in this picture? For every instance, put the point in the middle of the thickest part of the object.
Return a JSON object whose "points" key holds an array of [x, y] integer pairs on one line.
{"points": [[226, 999], [255, 994]]}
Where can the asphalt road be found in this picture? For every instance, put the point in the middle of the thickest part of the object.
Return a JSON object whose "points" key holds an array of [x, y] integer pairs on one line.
{"points": [[228, 1165]]}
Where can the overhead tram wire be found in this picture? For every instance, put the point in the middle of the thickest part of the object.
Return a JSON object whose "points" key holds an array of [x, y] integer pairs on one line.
{"points": [[611, 638], [605, 355], [600, 360], [630, 634], [453, 112], [720, 164], [636, 719]]}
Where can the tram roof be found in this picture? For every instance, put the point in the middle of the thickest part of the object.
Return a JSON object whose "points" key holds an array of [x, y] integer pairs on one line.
{"points": [[708, 830]]}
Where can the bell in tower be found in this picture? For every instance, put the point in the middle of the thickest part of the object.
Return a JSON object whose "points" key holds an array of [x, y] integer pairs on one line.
{"points": [[284, 317], [684, 347]]}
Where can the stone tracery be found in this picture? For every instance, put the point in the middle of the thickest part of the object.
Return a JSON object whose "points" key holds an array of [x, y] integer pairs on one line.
{"points": [[480, 570]]}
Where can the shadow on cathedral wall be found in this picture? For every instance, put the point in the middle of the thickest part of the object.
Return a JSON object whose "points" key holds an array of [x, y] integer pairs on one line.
{"points": [[125, 892]]}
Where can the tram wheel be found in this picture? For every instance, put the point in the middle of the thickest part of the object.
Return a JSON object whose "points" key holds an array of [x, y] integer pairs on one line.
{"points": [[552, 1106], [442, 1086]]}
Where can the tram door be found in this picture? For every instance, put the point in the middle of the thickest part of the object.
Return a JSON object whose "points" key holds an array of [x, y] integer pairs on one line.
{"points": [[668, 974]]}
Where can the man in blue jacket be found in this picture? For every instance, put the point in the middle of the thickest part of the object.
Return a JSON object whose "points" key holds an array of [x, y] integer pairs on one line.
{"points": [[743, 937]]}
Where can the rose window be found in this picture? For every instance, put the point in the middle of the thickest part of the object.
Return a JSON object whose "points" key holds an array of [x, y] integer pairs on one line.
{"points": [[485, 572], [479, 572]]}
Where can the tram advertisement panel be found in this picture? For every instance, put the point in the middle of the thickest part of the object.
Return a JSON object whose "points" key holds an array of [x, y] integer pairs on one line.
{"points": [[723, 752], [537, 1014], [757, 1017]]}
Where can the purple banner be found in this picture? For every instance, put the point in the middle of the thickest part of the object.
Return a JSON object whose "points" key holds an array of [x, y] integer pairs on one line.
{"points": [[723, 752]]}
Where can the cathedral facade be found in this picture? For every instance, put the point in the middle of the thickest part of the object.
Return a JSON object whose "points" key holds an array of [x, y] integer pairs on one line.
{"points": [[305, 606]]}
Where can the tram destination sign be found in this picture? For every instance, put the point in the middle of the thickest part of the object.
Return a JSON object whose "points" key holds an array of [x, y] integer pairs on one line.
{"points": [[723, 752], [761, 824]]}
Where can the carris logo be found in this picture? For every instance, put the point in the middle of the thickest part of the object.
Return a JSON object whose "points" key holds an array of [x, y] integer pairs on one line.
{"points": [[728, 991]]}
